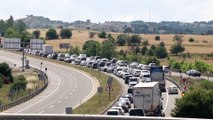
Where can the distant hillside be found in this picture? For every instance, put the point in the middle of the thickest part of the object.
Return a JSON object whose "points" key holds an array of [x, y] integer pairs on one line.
{"points": [[41, 22], [164, 27]]}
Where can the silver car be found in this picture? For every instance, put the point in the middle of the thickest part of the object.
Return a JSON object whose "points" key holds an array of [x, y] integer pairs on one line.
{"points": [[173, 90]]}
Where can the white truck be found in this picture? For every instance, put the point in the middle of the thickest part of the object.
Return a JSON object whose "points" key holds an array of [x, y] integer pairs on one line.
{"points": [[147, 96], [47, 49]]}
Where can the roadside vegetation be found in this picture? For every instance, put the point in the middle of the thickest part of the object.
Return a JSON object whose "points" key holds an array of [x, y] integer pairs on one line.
{"points": [[14, 84]]}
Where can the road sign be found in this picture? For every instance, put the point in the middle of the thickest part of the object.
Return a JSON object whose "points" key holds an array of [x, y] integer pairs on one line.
{"points": [[109, 81], [100, 89], [185, 87], [109, 88]]}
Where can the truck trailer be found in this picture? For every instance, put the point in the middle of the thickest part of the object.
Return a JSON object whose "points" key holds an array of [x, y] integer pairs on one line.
{"points": [[147, 96]]}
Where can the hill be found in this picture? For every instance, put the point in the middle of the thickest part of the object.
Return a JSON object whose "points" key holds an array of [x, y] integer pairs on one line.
{"points": [[139, 26]]}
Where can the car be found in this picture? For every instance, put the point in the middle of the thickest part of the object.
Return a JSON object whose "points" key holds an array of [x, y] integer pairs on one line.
{"points": [[121, 111], [193, 72], [137, 112], [173, 90], [113, 112], [129, 96]]}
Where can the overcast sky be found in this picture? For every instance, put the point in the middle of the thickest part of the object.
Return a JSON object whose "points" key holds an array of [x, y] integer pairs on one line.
{"points": [[110, 10]]}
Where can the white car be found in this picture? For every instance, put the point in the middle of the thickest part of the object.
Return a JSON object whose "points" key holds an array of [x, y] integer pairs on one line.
{"points": [[173, 90], [122, 112]]}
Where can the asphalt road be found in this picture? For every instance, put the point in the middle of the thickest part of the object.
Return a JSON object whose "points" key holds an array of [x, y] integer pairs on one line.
{"points": [[67, 87]]}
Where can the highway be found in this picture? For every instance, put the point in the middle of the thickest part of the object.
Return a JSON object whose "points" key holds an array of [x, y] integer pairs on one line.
{"points": [[168, 100], [67, 87]]}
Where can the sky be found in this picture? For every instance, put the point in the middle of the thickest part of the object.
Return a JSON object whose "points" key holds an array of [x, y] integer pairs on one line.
{"points": [[110, 10]]}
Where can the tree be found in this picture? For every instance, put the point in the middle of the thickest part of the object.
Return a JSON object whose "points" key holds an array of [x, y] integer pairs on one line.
{"points": [[76, 50], [20, 83], [26, 36], [143, 50], [10, 22], [6, 71], [36, 33], [195, 104], [102, 35], [122, 39], [92, 48], [92, 34], [107, 49], [1, 81], [162, 44], [150, 52], [127, 30], [51, 34], [11, 33], [65, 33], [145, 43], [177, 48], [157, 37], [178, 39], [134, 40], [161, 52], [3, 27], [20, 26], [191, 39]]}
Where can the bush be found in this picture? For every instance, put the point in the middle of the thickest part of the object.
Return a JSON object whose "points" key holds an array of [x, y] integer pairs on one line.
{"points": [[145, 43], [65, 33], [20, 83], [191, 40], [1, 81], [157, 38], [204, 41], [102, 35]]}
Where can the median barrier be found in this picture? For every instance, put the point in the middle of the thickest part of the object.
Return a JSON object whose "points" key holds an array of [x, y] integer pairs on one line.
{"points": [[28, 97]]}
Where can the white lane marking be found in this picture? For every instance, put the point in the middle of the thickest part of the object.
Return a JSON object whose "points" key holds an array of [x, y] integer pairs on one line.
{"points": [[51, 106], [40, 112], [59, 101], [73, 90], [70, 93], [46, 96], [167, 101]]}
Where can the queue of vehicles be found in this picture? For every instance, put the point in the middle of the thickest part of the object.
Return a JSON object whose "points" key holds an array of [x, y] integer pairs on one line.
{"points": [[145, 82]]}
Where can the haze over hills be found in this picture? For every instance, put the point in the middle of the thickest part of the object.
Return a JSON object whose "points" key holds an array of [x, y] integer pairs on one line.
{"points": [[164, 27]]}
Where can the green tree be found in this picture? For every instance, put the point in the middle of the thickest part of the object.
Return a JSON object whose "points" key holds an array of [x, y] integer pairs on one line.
{"points": [[162, 44], [10, 22], [36, 33], [92, 48], [108, 49], [157, 37], [150, 52], [2, 27], [191, 39], [145, 43], [122, 39], [20, 83], [76, 50], [26, 36], [148, 60], [102, 35], [1, 81], [143, 50], [65, 33], [134, 40], [20, 26], [6, 71], [195, 104], [161, 52], [177, 48], [11, 33], [51, 34]]}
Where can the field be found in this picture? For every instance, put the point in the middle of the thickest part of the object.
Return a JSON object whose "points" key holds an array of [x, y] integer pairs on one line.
{"points": [[203, 44]]}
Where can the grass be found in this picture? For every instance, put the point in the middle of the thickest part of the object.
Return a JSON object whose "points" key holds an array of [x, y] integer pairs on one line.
{"points": [[88, 106]]}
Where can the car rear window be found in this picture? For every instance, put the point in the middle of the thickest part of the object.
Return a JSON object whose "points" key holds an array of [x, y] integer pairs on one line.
{"points": [[136, 112]]}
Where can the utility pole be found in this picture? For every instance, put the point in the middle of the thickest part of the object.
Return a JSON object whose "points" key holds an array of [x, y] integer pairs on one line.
{"points": [[23, 56]]}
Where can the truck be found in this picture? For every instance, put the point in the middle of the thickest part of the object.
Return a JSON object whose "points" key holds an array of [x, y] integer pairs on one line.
{"points": [[157, 75], [147, 96], [47, 49]]}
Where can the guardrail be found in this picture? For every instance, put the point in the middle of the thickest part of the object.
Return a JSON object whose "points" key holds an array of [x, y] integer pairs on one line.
{"points": [[28, 97], [82, 117]]}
